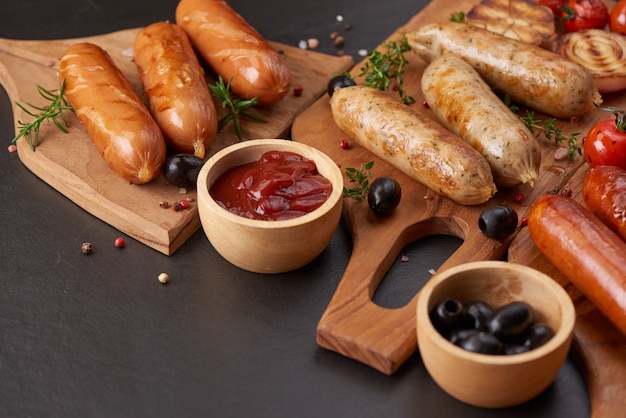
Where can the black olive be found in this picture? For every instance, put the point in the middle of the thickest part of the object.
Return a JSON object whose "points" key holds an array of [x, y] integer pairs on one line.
{"points": [[511, 322], [181, 170], [515, 349], [538, 335], [480, 312], [447, 316], [481, 342], [460, 334], [339, 82], [384, 195], [498, 221]]}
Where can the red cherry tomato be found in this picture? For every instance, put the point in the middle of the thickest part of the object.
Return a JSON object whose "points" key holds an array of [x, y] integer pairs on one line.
{"points": [[554, 5], [606, 142], [584, 14], [617, 18]]}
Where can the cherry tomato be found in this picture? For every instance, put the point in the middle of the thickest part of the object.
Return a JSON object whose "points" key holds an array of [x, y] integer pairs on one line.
{"points": [[606, 142], [584, 14], [617, 18], [554, 5]]}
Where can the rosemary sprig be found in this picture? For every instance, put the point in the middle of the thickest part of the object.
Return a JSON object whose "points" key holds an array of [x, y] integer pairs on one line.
{"points": [[548, 129], [233, 105], [383, 67], [360, 176], [53, 112]]}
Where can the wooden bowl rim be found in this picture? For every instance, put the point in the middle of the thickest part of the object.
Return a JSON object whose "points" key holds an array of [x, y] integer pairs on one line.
{"points": [[335, 176], [562, 335]]}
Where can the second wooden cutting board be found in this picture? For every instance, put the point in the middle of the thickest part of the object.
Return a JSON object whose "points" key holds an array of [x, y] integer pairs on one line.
{"points": [[382, 338]]}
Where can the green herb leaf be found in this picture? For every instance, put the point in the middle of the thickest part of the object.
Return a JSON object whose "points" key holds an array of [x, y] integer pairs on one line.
{"points": [[548, 129], [389, 64], [53, 112], [360, 176], [233, 105], [457, 17]]}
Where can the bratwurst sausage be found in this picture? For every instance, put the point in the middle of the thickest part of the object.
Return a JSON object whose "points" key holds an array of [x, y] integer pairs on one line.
{"points": [[604, 193], [467, 106], [585, 250], [530, 75], [177, 91], [234, 49], [117, 121], [414, 144]]}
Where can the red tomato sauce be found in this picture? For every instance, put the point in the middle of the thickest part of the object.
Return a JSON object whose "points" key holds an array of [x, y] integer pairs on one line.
{"points": [[280, 185]]}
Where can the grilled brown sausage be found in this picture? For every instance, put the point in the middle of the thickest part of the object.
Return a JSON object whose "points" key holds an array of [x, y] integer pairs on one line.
{"points": [[116, 119], [235, 49], [177, 91]]}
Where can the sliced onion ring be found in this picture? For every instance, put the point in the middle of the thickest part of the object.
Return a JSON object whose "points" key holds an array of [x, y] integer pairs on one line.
{"points": [[602, 53]]}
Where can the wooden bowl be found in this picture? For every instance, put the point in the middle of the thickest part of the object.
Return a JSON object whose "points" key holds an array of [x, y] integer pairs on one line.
{"points": [[495, 381], [264, 246]]}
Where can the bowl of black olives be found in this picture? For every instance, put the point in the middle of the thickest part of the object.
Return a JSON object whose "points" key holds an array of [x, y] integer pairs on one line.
{"points": [[493, 334]]}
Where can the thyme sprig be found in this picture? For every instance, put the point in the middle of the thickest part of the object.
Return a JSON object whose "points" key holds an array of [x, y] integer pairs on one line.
{"points": [[360, 176], [548, 129], [383, 67], [52, 112], [235, 107], [457, 17]]}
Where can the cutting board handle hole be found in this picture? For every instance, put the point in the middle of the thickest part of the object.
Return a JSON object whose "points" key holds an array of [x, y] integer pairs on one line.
{"points": [[413, 268]]}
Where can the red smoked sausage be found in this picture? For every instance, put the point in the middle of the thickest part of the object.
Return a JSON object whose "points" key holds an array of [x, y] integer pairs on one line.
{"points": [[604, 193], [585, 250]]}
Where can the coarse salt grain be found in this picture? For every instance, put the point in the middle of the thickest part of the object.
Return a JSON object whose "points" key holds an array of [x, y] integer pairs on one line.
{"points": [[312, 43], [302, 44], [12, 148], [339, 18], [128, 52], [363, 52]]}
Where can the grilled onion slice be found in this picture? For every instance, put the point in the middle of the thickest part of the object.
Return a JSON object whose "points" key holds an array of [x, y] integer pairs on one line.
{"points": [[602, 53]]}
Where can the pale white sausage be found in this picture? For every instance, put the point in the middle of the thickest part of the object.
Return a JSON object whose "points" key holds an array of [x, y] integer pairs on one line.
{"points": [[530, 75], [466, 105], [414, 144]]}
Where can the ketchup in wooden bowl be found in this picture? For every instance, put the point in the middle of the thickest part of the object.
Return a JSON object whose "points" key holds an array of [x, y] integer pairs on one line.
{"points": [[280, 185], [270, 205]]}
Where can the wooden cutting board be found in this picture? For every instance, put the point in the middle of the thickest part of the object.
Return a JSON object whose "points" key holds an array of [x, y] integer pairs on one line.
{"points": [[72, 165], [383, 338]]}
